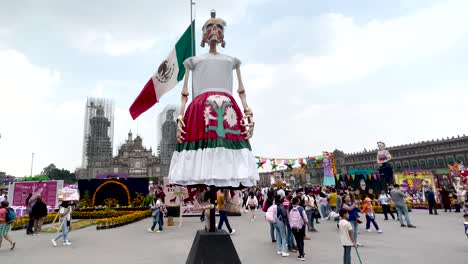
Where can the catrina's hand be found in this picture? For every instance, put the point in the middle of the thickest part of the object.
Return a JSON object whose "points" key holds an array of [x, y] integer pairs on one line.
{"points": [[180, 130]]}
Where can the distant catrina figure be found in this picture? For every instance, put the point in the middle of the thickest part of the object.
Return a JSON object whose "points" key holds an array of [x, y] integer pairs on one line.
{"points": [[213, 134], [328, 177], [383, 159]]}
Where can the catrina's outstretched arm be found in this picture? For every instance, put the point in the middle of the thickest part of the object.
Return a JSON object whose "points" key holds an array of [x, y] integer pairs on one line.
{"points": [[248, 122], [180, 119]]}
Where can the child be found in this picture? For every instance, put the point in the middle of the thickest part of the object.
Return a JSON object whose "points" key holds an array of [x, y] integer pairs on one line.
{"points": [[466, 224], [370, 215], [346, 236]]}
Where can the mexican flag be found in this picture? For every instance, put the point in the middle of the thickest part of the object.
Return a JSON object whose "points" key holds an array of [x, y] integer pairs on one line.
{"points": [[170, 72]]}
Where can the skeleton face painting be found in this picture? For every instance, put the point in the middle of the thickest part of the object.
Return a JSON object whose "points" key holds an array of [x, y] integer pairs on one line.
{"points": [[213, 30], [362, 184], [381, 145]]}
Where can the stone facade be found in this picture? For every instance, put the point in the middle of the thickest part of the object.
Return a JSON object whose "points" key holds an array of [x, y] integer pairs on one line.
{"points": [[168, 142], [133, 160], [430, 155]]}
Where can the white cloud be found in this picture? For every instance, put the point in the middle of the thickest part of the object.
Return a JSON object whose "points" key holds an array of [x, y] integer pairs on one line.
{"points": [[362, 50]]}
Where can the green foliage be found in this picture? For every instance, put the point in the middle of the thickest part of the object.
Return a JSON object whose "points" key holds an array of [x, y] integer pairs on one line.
{"points": [[138, 200], [54, 173], [35, 178], [86, 200], [148, 200]]}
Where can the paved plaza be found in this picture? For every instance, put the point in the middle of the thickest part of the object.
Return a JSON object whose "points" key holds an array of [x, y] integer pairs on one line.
{"points": [[437, 239]]}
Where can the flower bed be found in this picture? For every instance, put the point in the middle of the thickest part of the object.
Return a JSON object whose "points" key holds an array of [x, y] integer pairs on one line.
{"points": [[112, 222], [22, 222], [104, 208]]}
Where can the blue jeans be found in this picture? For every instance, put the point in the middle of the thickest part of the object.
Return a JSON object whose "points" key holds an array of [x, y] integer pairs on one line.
{"points": [[281, 239], [309, 217], [323, 210], [64, 232], [403, 211], [355, 225], [347, 255], [272, 232], [290, 237], [223, 219], [158, 219]]}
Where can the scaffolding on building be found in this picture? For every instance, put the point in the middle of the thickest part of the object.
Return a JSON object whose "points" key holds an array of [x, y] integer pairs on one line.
{"points": [[98, 129]]}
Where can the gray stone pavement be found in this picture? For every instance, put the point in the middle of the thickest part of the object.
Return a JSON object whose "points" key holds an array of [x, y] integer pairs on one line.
{"points": [[437, 239]]}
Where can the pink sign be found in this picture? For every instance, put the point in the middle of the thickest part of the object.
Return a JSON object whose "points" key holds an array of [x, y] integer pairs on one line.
{"points": [[46, 189]]}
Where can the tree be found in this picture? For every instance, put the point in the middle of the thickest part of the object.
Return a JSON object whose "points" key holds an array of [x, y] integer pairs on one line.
{"points": [[53, 173]]}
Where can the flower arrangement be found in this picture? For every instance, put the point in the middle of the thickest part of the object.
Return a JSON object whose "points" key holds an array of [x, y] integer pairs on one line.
{"points": [[111, 202], [113, 222]]}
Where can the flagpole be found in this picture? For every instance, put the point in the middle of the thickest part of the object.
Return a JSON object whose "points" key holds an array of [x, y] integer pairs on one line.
{"points": [[192, 33]]}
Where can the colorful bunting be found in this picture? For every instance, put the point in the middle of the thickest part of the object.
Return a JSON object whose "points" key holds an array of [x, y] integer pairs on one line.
{"points": [[260, 163], [353, 176], [273, 165]]}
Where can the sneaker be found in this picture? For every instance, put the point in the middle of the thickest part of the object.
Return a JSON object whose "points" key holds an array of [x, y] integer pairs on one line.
{"points": [[279, 252], [411, 226], [273, 241], [67, 243], [159, 231], [251, 220], [233, 232], [359, 245], [301, 258], [403, 225], [149, 230], [379, 231], [314, 230], [368, 230], [285, 254], [306, 238], [54, 242]]}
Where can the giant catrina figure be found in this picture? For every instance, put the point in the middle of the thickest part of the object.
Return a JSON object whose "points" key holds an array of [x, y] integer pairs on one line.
{"points": [[213, 134]]}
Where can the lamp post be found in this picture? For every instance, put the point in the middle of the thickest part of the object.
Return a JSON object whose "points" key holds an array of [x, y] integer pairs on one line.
{"points": [[32, 162]]}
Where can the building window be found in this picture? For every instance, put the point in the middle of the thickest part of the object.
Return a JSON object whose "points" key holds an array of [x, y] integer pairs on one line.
{"points": [[440, 162], [398, 166], [450, 160], [406, 165], [422, 164], [414, 165], [430, 163]]}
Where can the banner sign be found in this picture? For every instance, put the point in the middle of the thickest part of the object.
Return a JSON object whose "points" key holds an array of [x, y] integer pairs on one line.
{"points": [[48, 190]]}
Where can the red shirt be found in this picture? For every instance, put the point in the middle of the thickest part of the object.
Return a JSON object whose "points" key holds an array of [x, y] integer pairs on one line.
{"points": [[286, 204], [2, 215]]}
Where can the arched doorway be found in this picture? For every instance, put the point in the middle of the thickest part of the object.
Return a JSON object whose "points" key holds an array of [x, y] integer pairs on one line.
{"points": [[113, 189]]}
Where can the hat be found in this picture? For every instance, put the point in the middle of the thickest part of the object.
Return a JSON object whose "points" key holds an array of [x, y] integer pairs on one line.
{"points": [[367, 199]]}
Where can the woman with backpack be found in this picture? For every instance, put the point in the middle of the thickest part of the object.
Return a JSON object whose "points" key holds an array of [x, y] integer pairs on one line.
{"points": [[267, 204], [277, 215], [297, 221], [252, 202], [6, 219]]}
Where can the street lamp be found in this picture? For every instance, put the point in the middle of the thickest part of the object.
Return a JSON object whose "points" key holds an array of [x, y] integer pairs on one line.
{"points": [[32, 162]]}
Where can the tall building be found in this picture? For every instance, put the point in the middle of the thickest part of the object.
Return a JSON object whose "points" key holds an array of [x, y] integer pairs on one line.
{"points": [[98, 133], [168, 140]]}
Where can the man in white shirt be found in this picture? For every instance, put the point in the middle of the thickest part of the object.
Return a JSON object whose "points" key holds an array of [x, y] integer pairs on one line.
{"points": [[309, 202]]}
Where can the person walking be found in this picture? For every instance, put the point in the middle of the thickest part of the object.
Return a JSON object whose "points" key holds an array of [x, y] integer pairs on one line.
{"points": [[267, 204], [346, 235], [431, 201], [445, 196], [384, 200], [332, 200], [252, 203], [222, 214], [39, 212], [298, 220], [399, 201], [309, 202], [353, 216], [368, 209], [5, 225], [279, 222], [157, 215], [64, 214], [29, 204]]}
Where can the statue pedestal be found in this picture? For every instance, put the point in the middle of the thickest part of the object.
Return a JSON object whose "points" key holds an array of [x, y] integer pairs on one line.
{"points": [[213, 248]]}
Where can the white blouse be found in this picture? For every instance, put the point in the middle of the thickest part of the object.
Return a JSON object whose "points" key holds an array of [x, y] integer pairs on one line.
{"points": [[211, 73]]}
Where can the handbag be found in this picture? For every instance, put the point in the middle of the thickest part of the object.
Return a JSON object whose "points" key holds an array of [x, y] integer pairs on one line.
{"points": [[358, 221]]}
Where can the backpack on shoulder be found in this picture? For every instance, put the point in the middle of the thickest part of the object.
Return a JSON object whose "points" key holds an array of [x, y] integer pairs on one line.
{"points": [[271, 214], [10, 215], [296, 219]]}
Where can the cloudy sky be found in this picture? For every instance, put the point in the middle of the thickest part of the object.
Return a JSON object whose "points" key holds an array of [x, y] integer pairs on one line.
{"points": [[319, 75]]}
